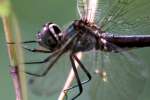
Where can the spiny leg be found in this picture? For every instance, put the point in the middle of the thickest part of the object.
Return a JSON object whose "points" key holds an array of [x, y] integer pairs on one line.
{"points": [[49, 67], [45, 60], [35, 50], [77, 77], [85, 71], [29, 49], [24, 42]]}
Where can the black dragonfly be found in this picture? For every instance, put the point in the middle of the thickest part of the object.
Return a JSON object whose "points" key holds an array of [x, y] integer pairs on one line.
{"points": [[94, 34]]}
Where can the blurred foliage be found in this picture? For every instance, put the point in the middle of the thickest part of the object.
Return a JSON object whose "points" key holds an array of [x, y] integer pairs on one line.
{"points": [[5, 7]]}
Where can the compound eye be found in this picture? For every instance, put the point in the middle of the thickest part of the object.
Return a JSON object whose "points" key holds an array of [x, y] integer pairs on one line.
{"points": [[50, 36], [54, 29]]}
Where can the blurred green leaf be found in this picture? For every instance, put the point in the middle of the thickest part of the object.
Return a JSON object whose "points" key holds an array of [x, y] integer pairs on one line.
{"points": [[5, 7]]}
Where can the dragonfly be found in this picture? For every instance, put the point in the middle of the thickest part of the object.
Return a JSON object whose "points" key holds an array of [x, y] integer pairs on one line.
{"points": [[105, 35]]}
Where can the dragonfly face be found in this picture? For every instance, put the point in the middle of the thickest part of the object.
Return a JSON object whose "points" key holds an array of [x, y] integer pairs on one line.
{"points": [[49, 37]]}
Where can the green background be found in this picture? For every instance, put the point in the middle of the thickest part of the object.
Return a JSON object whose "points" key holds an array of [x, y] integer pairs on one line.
{"points": [[32, 14]]}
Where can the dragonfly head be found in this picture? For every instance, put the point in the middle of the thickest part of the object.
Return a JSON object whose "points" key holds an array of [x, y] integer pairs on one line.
{"points": [[50, 36]]}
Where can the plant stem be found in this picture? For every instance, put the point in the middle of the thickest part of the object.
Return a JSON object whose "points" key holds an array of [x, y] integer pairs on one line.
{"points": [[14, 75], [15, 56], [9, 38]]}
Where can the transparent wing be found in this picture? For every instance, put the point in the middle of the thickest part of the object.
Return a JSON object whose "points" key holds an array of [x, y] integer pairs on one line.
{"points": [[124, 16], [115, 76], [49, 86], [87, 9]]}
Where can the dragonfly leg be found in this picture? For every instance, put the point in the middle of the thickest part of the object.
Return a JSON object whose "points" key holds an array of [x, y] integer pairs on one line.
{"points": [[24, 42], [77, 77], [57, 55], [39, 62], [43, 61], [85, 71], [35, 50], [29, 49]]}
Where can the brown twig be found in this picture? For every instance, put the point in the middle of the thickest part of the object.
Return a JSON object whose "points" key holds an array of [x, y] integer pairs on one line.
{"points": [[15, 56], [14, 75]]}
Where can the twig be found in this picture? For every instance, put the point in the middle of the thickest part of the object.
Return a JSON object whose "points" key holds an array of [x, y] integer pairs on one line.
{"points": [[69, 79], [9, 38], [14, 75], [19, 56], [15, 56]]}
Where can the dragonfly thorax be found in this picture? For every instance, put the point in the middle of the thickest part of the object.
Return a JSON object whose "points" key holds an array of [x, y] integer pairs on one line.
{"points": [[85, 39], [49, 37]]}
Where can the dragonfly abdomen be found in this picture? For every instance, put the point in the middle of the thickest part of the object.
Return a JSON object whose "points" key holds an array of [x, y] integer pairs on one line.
{"points": [[129, 41]]}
